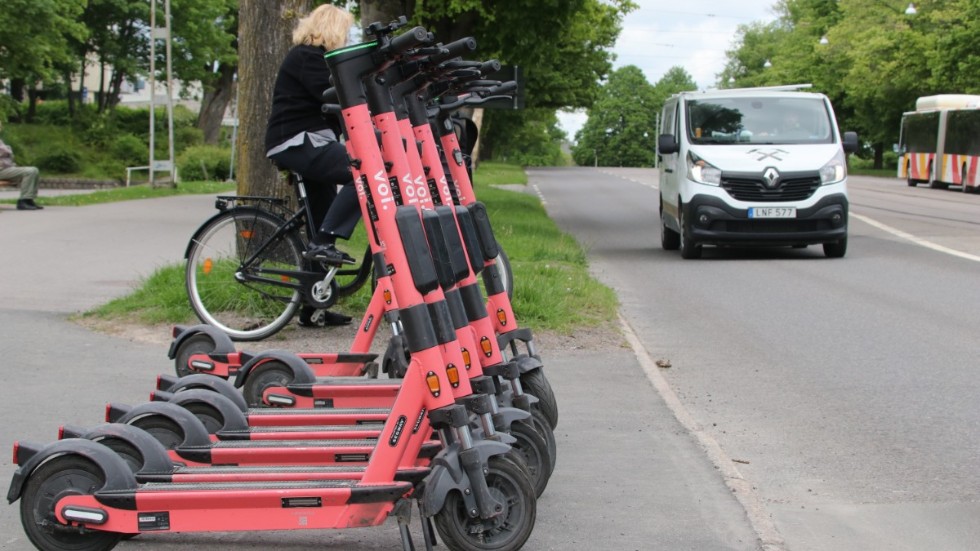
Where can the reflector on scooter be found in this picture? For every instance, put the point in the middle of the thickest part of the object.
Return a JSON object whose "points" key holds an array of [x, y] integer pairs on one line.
{"points": [[501, 316], [432, 380], [88, 516], [202, 365], [486, 346], [280, 400], [453, 373], [466, 359]]}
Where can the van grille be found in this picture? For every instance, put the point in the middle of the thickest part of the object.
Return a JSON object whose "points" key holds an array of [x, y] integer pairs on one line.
{"points": [[795, 187]]}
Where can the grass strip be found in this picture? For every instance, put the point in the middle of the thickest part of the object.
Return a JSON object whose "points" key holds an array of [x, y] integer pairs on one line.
{"points": [[553, 288]]}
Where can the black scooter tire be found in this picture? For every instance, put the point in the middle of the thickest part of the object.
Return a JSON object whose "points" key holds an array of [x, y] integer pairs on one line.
{"points": [[509, 484], [536, 384], [200, 343], [63, 475], [534, 451], [270, 373]]}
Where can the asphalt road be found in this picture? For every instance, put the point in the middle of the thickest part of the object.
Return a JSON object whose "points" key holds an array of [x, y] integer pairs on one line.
{"points": [[845, 389]]}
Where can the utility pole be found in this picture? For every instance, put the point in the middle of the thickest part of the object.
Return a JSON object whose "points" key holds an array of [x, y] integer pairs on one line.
{"points": [[164, 33]]}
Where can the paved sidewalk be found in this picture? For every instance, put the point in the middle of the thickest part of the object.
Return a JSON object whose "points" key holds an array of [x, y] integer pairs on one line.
{"points": [[629, 477]]}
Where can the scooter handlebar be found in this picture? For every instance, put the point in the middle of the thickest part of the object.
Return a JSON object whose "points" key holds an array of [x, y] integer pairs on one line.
{"points": [[408, 40], [455, 49]]}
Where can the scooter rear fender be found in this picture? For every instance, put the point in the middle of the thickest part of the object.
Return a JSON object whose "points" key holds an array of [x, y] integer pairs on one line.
{"points": [[117, 475], [302, 373]]}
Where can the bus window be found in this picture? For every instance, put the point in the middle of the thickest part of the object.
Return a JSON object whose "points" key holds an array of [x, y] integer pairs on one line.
{"points": [[962, 137], [919, 133]]}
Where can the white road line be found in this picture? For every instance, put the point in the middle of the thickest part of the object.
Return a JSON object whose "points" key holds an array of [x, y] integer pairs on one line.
{"points": [[750, 500], [540, 195], [917, 240]]}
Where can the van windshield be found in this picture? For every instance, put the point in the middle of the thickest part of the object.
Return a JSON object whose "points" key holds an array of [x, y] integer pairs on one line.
{"points": [[759, 120]]}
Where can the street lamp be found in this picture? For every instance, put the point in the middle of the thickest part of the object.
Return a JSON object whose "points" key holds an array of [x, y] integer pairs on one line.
{"points": [[911, 9], [824, 41], [767, 64]]}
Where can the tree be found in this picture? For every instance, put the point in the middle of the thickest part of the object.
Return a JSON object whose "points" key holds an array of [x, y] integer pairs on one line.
{"points": [[876, 61], [675, 80], [34, 41], [620, 130], [564, 49], [265, 32], [205, 35]]}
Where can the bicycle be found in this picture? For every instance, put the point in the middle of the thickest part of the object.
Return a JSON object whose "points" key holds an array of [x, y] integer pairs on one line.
{"points": [[246, 275], [245, 271]]}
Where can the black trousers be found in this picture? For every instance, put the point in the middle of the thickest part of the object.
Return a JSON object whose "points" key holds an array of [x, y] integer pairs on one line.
{"points": [[336, 213]]}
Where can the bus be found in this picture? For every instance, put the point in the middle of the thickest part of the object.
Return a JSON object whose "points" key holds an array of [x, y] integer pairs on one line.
{"points": [[939, 142]]}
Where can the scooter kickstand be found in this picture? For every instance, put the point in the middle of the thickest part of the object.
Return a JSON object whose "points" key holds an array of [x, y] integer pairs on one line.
{"points": [[428, 532], [403, 511]]}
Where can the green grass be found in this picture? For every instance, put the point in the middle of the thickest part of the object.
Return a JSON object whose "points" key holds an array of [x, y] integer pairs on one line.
{"points": [[553, 288], [881, 172], [132, 193]]}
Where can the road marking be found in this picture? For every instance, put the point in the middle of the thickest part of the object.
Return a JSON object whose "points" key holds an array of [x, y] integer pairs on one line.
{"points": [[750, 500], [917, 240], [634, 180], [540, 195]]}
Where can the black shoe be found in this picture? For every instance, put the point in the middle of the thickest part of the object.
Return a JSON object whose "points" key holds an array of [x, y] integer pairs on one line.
{"points": [[28, 204], [311, 317], [328, 254]]}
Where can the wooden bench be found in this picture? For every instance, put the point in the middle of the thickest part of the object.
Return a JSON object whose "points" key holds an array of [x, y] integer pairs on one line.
{"points": [[7, 183]]}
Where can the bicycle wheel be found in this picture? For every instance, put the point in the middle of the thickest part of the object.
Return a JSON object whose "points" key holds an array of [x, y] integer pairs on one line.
{"points": [[238, 274]]}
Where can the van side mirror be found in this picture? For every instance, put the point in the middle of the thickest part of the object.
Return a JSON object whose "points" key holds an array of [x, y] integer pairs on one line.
{"points": [[667, 144], [850, 142]]}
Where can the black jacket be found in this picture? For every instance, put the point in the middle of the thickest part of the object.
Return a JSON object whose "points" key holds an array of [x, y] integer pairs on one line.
{"points": [[302, 78]]}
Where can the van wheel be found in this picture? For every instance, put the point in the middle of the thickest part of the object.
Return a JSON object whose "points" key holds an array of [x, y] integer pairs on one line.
{"points": [[837, 249], [689, 247], [669, 239]]}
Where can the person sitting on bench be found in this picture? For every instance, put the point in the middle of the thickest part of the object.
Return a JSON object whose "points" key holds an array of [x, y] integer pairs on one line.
{"points": [[23, 176]]}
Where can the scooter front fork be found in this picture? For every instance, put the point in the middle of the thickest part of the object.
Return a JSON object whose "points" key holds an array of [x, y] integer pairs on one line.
{"points": [[454, 420]]}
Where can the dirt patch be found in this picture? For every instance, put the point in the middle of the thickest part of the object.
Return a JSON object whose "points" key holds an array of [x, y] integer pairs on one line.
{"points": [[325, 339]]}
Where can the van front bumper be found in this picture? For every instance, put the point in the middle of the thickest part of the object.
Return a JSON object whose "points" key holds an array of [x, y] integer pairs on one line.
{"points": [[713, 222]]}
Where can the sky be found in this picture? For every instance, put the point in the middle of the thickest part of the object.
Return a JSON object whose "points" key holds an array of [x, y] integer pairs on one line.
{"points": [[694, 35]]}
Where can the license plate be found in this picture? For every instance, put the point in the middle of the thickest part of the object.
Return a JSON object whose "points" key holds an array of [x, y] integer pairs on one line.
{"points": [[772, 212]]}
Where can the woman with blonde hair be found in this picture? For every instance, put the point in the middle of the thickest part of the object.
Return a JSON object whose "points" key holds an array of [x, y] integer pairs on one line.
{"points": [[301, 138]]}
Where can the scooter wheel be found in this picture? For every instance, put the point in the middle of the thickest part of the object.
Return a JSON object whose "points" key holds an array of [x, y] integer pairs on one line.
{"points": [[128, 452], [164, 430], [62, 476], [536, 384], [200, 343], [533, 448], [268, 374], [509, 530], [544, 429]]}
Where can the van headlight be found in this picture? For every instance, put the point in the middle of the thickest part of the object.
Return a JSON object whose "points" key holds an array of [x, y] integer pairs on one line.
{"points": [[834, 171], [702, 172]]}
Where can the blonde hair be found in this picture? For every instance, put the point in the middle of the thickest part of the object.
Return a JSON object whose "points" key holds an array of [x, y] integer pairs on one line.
{"points": [[326, 26]]}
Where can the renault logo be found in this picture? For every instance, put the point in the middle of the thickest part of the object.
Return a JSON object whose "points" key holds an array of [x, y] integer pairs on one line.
{"points": [[771, 177]]}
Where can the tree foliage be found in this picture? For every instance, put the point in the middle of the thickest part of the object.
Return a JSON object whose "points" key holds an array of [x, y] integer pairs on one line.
{"points": [[620, 130], [876, 61]]}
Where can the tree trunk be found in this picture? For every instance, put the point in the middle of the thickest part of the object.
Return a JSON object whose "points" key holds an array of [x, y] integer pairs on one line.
{"points": [[215, 103], [265, 32], [879, 155], [385, 11]]}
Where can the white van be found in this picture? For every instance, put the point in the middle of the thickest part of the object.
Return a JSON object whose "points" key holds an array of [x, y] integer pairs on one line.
{"points": [[753, 166]]}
